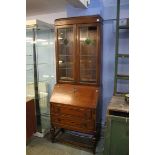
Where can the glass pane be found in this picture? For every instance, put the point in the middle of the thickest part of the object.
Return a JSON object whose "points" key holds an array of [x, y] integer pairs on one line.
{"points": [[66, 53], [45, 61], [46, 68], [88, 40]]}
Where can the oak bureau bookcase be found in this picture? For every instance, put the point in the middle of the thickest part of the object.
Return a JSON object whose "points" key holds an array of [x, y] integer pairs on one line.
{"points": [[76, 96]]}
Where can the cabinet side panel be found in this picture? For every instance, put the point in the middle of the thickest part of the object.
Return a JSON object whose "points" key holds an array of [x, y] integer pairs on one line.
{"points": [[117, 136], [30, 119]]}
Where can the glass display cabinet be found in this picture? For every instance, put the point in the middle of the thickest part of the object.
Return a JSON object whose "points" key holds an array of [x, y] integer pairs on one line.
{"points": [[78, 47], [40, 69]]}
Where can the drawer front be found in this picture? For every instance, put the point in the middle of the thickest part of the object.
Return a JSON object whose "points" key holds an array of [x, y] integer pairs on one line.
{"points": [[73, 122], [72, 111]]}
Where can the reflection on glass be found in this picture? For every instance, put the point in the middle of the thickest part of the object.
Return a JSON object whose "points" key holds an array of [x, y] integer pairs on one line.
{"points": [[88, 40], [65, 45]]}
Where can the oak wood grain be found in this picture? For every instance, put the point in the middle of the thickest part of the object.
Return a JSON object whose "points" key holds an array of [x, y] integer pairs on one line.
{"points": [[75, 95]]}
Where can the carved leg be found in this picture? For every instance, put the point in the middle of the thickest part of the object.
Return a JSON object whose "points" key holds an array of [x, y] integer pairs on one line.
{"points": [[52, 134]]}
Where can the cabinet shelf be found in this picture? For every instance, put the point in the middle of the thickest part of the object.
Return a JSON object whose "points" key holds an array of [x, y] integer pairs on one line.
{"points": [[29, 69], [65, 55], [66, 78], [38, 64], [90, 80], [65, 68]]}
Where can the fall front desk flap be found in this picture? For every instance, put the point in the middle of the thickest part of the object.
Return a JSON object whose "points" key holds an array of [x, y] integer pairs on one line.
{"points": [[76, 95]]}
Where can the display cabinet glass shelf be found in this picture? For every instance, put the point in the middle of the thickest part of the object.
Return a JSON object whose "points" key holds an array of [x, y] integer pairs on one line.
{"points": [[40, 69]]}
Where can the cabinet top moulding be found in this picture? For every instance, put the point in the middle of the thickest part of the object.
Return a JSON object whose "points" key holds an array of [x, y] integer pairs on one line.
{"points": [[79, 20]]}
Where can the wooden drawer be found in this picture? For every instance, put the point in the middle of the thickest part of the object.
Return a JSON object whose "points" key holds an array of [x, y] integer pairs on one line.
{"points": [[73, 122], [71, 110]]}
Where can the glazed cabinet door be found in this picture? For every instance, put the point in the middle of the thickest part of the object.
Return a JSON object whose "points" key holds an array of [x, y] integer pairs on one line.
{"points": [[88, 51], [65, 54]]}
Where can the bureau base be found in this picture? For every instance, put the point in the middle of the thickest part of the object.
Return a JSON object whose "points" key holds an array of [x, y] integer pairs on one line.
{"points": [[82, 141]]}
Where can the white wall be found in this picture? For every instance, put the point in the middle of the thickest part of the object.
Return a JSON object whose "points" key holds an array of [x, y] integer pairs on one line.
{"points": [[48, 18]]}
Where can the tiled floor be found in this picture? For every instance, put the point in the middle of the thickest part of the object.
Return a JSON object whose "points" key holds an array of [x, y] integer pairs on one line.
{"points": [[42, 146]]}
